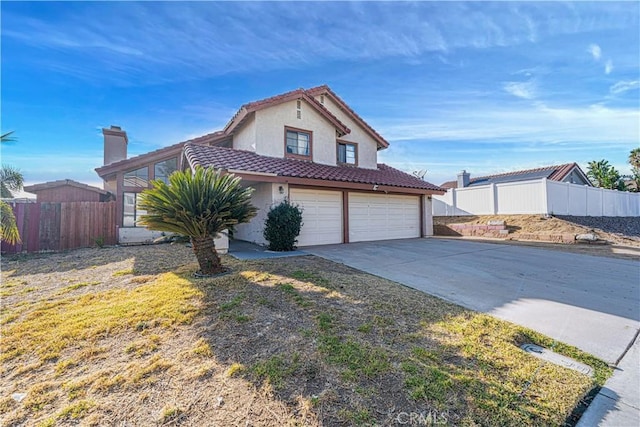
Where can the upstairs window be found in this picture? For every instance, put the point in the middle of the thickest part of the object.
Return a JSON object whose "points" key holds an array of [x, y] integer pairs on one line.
{"points": [[137, 178], [162, 170], [347, 153], [298, 142]]}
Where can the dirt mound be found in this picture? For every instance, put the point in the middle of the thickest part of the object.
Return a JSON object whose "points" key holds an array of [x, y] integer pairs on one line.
{"points": [[618, 230]]}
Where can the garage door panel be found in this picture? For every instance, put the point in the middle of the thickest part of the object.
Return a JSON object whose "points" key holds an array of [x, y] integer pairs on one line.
{"points": [[321, 216], [382, 217]]}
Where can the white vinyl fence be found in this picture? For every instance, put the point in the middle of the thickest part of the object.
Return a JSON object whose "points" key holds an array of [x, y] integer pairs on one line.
{"points": [[539, 196]]}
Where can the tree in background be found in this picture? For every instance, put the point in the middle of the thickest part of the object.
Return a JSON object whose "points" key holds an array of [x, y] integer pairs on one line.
{"points": [[604, 175], [634, 161], [10, 180], [200, 206]]}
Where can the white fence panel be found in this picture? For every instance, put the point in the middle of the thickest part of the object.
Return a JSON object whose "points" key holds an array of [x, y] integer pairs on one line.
{"points": [[521, 197], [609, 203], [443, 205], [576, 199], [475, 200], [536, 197], [557, 198], [594, 202]]}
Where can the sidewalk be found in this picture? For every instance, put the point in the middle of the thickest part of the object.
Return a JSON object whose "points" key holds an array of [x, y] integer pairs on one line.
{"points": [[618, 403], [248, 251]]}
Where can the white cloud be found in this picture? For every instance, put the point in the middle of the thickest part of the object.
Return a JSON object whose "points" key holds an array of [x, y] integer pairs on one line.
{"points": [[525, 90], [595, 51], [608, 67], [624, 85], [534, 124]]}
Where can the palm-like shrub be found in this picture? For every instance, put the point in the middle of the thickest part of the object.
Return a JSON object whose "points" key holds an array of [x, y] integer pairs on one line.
{"points": [[200, 206], [8, 228], [11, 180]]}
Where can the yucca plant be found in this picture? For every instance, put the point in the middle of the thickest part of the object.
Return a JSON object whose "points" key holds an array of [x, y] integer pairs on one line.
{"points": [[198, 205]]}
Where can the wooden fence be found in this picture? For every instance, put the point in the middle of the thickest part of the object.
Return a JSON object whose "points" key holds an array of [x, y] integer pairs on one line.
{"points": [[61, 226]]}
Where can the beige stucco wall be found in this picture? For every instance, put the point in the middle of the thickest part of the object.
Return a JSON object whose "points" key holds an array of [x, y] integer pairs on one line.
{"points": [[264, 196], [269, 131], [428, 216], [245, 138], [367, 146], [263, 133]]}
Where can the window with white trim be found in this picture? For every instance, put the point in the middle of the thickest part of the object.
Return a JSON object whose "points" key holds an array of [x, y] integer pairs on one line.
{"points": [[347, 153]]}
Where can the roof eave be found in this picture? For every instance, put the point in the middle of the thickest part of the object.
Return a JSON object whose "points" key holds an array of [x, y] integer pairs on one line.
{"points": [[326, 90]]}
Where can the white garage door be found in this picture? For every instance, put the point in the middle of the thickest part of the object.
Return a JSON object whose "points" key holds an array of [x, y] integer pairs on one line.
{"points": [[321, 215], [383, 217]]}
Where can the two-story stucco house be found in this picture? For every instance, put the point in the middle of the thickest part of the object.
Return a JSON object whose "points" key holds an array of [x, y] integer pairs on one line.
{"points": [[305, 145]]}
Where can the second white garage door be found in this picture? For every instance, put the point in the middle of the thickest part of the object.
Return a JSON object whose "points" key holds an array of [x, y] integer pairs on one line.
{"points": [[321, 215], [383, 217]]}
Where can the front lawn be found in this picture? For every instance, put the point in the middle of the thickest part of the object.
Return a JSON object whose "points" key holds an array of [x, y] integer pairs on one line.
{"points": [[127, 336]]}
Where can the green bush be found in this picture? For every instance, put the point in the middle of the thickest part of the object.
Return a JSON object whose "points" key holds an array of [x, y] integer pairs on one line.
{"points": [[282, 226]]}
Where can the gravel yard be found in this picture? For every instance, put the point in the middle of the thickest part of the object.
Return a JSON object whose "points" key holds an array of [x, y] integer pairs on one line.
{"points": [[624, 226]]}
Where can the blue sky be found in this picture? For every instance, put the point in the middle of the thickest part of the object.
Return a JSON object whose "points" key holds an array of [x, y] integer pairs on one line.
{"points": [[486, 87]]}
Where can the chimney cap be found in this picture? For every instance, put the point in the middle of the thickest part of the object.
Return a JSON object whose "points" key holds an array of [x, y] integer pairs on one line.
{"points": [[115, 131]]}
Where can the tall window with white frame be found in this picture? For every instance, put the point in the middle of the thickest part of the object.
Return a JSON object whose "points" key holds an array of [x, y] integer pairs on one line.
{"points": [[298, 143], [347, 153]]}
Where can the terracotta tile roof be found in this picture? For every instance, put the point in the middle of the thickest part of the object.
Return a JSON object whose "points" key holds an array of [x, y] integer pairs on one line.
{"points": [[240, 160], [251, 107], [59, 183], [210, 138], [552, 173], [324, 89]]}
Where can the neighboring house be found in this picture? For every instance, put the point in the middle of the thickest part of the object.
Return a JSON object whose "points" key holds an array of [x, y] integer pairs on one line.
{"points": [[556, 190], [305, 145], [67, 190], [568, 172]]}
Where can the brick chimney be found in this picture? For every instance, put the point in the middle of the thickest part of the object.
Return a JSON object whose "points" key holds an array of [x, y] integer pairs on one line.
{"points": [[463, 179], [115, 144]]}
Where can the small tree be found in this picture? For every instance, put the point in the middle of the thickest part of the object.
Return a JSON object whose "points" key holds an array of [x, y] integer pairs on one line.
{"points": [[634, 161], [604, 175], [199, 206], [282, 226]]}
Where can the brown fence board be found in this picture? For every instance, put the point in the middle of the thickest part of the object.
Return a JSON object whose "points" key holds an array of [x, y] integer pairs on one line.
{"points": [[32, 227], [49, 232], [61, 226]]}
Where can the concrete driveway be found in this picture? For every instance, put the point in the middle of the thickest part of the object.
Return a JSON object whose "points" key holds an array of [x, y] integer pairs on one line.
{"points": [[590, 302]]}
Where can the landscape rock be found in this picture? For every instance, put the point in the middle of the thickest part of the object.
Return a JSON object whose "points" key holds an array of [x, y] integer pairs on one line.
{"points": [[588, 237]]}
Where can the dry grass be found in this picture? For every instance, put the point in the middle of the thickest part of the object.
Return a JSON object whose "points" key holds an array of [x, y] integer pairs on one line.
{"points": [[295, 341]]}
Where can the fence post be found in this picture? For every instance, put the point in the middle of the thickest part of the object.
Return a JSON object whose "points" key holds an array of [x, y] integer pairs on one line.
{"points": [[545, 197], [494, 199], [454, 202]]}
